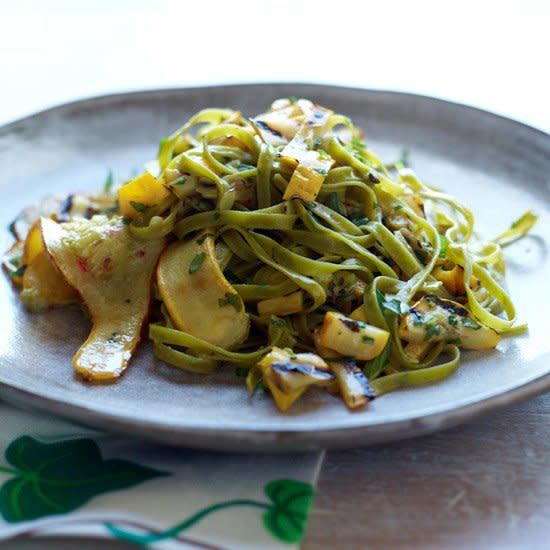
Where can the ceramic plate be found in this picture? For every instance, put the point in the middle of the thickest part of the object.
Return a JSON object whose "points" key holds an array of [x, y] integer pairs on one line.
{"points": [[497, 166]]}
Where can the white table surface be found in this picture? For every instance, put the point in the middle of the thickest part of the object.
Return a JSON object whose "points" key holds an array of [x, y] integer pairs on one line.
{"points": [[492, 54]]}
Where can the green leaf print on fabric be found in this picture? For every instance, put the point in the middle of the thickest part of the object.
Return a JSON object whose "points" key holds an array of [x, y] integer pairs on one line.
{"points": [[285, 517], [56, 478]]}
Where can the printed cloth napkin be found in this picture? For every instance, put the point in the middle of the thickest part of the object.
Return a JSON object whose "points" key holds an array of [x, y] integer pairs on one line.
{"points": [[58, 478]]}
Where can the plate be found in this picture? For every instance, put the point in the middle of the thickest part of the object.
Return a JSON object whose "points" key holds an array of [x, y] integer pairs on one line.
{"points": [[497, 166]]}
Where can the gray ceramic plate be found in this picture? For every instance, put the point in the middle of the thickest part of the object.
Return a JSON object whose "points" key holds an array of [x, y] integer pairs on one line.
{"points": [[497, 166]]}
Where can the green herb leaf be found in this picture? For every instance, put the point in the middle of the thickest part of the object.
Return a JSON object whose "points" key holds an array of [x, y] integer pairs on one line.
{"points": [[444, 243], [196, 262], [57, 478], [398, 207], [278, 322], [108, 183], [140, 207], [367, 339], [231, 299], [333, 201], [321, 171], [357, 143], [292, 99], [374, 367], [453, 320], [468, 322], [361, 221], [432, 329], [286, 518], [393, 305], [20, 271]]}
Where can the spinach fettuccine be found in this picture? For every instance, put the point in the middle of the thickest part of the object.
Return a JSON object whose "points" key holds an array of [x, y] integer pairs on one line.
{"points": [[280, 246]]}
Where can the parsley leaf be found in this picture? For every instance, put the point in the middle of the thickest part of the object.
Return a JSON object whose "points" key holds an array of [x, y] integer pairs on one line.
{"points": [[357, 143], [468, 322], [393, 305], [444, 243], [333, 201], [231, 299], [20, 271], [432, 329], [108, 182], [196, 262], [140, 207], [374, 367], [453, 320]]}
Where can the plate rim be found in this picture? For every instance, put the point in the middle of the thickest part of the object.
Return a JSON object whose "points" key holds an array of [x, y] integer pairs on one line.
{"points": [[256, 438]]}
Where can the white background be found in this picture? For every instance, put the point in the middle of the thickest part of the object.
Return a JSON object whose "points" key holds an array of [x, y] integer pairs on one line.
{"points": [[492, 54]]}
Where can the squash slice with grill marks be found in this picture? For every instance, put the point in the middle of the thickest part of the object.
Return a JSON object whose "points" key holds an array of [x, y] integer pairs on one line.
{"points": [[112, 272]]}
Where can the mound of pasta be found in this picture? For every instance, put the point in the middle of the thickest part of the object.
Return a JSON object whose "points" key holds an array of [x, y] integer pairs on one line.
{"points": [[280, 246]]}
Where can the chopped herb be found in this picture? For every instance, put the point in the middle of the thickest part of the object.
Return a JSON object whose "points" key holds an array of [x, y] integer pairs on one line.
{"points": [[316, 143], [468, 322], [278, 322], [367, 339], [196, 262], [241, 372], [453, 320], [217, 215], [108, 182], [323, 154], [398, 207], [361, 221], [394, 304], [19, 272], [333, 201], [203, 237], [180, 181], [444, 243], [140, 207], [356, 142], [321, 171], [292, 99], [432, 329], [374, 367], [231, 299]]}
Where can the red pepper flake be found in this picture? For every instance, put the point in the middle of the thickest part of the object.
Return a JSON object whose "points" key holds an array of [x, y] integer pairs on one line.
{"points": [[82, 264], [141, 253]]}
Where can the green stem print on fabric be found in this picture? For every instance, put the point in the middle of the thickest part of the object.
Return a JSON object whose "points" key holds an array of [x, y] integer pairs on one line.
{"points": [[57, 478], [285, 516]]}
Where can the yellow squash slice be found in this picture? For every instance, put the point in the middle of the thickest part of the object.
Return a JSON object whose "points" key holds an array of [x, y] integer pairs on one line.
{"points": [[112, 272], [198, 297], [43, 285]]}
